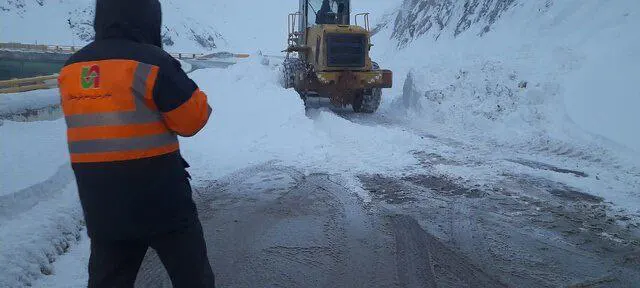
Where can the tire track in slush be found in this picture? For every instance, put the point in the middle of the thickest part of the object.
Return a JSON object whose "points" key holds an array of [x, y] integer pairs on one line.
{"points": [[271, 226], [527, 232]]}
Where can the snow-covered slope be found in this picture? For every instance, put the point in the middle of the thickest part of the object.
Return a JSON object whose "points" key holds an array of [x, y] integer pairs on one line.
{"points": [[243, 26], [187, 25], [471, 61]]}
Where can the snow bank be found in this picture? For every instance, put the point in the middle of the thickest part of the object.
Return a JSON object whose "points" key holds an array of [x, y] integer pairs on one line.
{"points": [[30, 153], [545, 72], [34, 239], [70, 270], [550, 81], [35, 105], [40, 216], [255, 120]]}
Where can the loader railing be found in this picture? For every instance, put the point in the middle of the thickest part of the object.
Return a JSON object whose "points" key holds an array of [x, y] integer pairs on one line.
{"points": [[365, 20], [294, 33]]}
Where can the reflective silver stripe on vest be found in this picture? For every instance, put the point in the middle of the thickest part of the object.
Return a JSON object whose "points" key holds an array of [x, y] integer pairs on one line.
{"points": [[141, 115], [108, 119], [124, 144]]}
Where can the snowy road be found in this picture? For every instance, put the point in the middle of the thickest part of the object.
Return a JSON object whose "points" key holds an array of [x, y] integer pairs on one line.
{"points": [[337, 199], [465, 216], [504, 155], [275, 226]]}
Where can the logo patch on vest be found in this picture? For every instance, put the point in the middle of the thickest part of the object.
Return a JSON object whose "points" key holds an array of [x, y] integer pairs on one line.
{"points": [[90, 77]]}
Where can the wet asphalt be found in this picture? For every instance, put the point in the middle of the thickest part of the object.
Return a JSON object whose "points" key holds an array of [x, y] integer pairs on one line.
{"points": [[272, 226]]}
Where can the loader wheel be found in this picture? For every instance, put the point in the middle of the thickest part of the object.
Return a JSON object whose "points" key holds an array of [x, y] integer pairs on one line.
{"points": [[290, 69], [367, 101]]}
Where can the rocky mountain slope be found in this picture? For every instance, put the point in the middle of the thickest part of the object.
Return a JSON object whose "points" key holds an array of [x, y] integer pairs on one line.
{"points": [[417, 18]]}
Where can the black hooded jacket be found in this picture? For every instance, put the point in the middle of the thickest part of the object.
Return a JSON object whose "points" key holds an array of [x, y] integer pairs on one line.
{"points": [[139, 20], [143, 197]]}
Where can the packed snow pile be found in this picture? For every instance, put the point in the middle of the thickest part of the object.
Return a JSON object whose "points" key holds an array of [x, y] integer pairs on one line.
{"points": [[255, 120], [481, 98], [30, 106], [40, 217], [544, 70]]}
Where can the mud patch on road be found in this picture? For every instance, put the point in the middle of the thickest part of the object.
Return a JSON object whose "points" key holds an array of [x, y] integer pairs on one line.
{"points": [[575, 195], [541, 187], [526, 231], [444, 186], [426, 159], [583, 219], [607, 281], [548, 167], [386, 189], [402, 190]]}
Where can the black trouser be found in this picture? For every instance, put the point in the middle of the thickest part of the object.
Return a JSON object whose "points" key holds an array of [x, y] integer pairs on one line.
{"points": [[183, 253]]}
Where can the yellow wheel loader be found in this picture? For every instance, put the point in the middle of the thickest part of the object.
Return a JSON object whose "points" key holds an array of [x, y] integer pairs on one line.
{"points": [[328, 56]]}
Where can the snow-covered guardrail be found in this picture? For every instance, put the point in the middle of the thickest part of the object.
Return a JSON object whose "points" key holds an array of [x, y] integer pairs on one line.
{"points": [[66, 49], [28, 84], [39, 47]]}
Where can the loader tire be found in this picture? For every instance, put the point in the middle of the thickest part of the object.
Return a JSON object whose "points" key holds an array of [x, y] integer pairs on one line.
{"points": [[368, 100], [290, 68]]}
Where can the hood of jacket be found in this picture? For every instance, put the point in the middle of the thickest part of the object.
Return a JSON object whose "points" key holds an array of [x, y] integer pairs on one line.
{"points": [[135, 20]]}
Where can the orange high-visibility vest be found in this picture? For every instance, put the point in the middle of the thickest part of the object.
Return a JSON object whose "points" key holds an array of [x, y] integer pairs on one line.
{"points": [[110, 112]]}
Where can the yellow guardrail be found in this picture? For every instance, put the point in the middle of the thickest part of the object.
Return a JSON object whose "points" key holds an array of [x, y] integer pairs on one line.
{"points": [[28, 84]]}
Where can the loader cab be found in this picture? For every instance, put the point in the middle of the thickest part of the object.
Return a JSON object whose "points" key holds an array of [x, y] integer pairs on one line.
{"points": [[321, 12], [322, 35]]}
